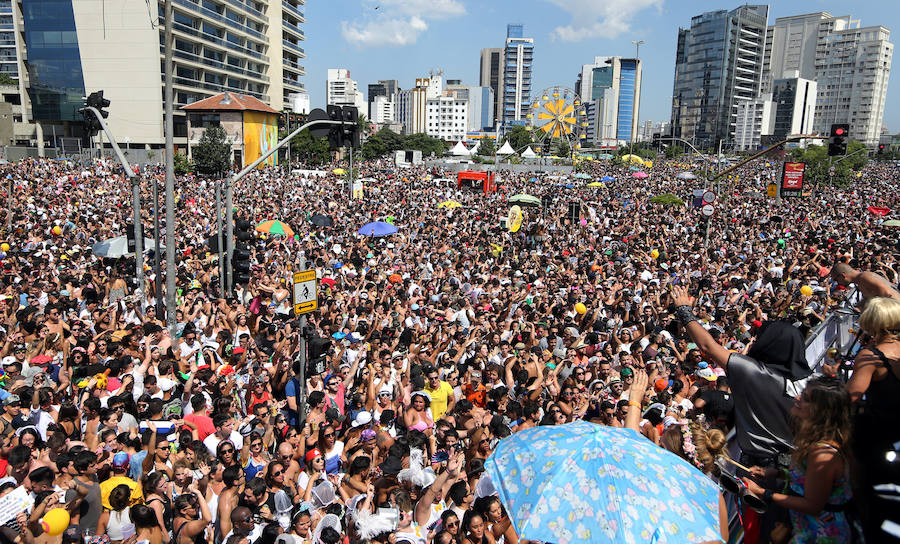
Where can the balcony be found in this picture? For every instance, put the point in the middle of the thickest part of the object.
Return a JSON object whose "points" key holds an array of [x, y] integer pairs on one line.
{"points": [[293, 65], [293, 10], [211, 63], [216, 16], [215, 87], [291, 46], [294, 29], [184, 29]]}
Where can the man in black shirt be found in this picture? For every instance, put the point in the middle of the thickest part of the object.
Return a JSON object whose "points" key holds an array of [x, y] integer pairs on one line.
{"points": [[717, 405]]}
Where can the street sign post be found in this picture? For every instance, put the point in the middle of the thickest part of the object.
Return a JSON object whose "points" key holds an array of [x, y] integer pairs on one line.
{"points": [[306, 297], [707, 210], [709, 197]]}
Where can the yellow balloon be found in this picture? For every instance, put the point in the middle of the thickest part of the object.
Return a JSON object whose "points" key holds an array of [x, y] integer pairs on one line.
{"points": [[4, 246], [57, 230], [580, 308], [55, 521], [654, 253], [806, 290]]}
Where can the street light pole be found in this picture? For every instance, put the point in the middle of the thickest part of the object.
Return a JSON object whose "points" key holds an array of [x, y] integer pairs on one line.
{"points": [[171, 269]]}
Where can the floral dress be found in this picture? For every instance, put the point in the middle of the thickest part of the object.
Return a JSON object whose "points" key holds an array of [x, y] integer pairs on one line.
{"points": [[826, 527]]}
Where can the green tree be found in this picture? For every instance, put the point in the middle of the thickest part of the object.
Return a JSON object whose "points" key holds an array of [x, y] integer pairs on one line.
{"points": [[365, 129], [183, 165], [392, 141], [425, 143], [310, 150], [518, 137], [561, 147], [373, 148], [212, 156], [487, 147], [674, 151], [6, 80], [818, 164]]}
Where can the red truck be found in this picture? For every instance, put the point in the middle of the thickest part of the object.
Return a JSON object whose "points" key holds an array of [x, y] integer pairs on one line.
{"points": [[477, 180]]}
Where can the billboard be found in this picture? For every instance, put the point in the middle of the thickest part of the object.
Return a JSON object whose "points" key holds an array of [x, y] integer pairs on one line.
{"points": [[260, 135], [792, 179]]}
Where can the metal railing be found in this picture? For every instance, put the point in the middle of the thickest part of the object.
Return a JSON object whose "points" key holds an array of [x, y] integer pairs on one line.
{"points": [[838, 330]]}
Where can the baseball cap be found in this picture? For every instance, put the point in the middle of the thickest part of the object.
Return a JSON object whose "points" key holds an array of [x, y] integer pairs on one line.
{"points": [[120, 460], [362, 419], [707, 374], [11, 399], [660, 385], [312, 454]]}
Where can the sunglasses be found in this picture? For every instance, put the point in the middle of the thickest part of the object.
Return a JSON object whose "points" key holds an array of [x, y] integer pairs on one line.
{"points": [[277, 474], [229, 450], [329, 435]]}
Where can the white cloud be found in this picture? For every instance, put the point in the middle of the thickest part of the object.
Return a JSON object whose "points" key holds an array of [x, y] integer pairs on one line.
{"points": [[594, 19], [397, 22], [384, 31]]}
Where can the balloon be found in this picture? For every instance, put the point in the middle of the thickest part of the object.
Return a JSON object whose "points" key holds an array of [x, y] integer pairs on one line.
{"points": [[580, 308], [806, 290], [654, 253], [4, 246], [57, 230], [55, 521]]}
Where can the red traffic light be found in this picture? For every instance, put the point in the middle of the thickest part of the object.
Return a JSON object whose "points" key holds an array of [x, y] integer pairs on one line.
{"points": [[839, 131]]}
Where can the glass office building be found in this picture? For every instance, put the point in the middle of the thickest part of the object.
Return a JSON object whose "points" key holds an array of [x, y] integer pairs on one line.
{"points": [[628, 74], [718, 63], [54, 60], [518, 57]]}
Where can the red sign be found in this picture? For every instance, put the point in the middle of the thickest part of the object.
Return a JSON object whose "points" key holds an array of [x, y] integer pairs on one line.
{"points": [[792, 178]]}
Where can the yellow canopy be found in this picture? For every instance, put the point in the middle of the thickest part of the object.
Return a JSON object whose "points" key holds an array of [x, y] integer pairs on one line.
{"points": [[450, 204], [596, 184], [634, 159], [339, 171]]}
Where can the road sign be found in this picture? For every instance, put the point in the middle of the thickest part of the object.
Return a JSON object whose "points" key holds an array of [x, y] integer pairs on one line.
{"points": [[707, 210], [831, 171], [306, 297], [709, 197], [772, 190]]}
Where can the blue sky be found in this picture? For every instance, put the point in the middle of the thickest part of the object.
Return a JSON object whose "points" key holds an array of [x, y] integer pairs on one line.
{"points": [[404, 39]]}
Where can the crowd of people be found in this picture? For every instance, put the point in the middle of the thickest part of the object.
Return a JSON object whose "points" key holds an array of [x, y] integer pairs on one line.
{"points": [[447, 337]]}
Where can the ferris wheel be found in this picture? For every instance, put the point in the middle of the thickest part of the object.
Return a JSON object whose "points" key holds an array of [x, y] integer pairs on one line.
{"points": [[557, 113]]}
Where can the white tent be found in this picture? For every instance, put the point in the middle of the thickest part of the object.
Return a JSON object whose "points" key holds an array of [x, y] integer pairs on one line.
{"points": [[528, 153], [474, 149], [459, 150], [506, 149]]}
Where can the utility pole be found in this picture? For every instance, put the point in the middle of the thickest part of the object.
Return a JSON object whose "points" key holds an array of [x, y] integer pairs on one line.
{"points": [[171, 270], [157, 292], [229, 232], [637, 59], [219, 237]]}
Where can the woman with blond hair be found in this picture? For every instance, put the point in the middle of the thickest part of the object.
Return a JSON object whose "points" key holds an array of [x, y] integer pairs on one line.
{"points": [[875, 388]]}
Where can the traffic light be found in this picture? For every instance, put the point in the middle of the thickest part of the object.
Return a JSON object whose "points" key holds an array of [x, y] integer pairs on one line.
{"points": [[837, 142], [240, 256], [336, 134], [317, 350], [350, 117], [91, 123], [881, 148]]}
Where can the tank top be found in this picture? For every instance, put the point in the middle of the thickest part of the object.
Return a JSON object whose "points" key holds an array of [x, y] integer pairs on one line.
{"points": [[120, 526], [883, 397]]}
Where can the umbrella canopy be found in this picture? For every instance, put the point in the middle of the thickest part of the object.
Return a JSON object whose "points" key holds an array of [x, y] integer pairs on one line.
{"points": [[339, 171], [891, 223], [596, 184], [583, 482], [378, 229], [604, 156], [640, 175], [634, 159], [321, 220], [525, 200], [686, 175], [116, 248], [607, 178], [274, 226], [581, 175], [450, 204]]}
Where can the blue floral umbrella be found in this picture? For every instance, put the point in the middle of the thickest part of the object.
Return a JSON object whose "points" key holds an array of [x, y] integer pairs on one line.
{"points": [[583, 482], [378, 228], [607, 178]]}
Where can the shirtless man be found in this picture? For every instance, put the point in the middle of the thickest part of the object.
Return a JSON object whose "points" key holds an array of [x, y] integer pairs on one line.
{"points": [[870, 284]]}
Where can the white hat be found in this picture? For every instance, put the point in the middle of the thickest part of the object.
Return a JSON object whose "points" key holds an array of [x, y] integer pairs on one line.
{"points": [[363, 418], [166, 384]]}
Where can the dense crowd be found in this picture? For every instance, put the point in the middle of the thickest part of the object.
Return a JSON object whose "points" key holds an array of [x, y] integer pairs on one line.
{"points": [[447, 337]]}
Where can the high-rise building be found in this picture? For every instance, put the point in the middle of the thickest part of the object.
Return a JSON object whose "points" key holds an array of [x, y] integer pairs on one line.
{"points": [[381, 111], [480, 100], [491, 75], [794, 100], [718, 64], [412, 104], [342, 90], [385, 87], [850, 64], [612, 85], [518, 56], [753, 120], [66, 49], [446, 117]]}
